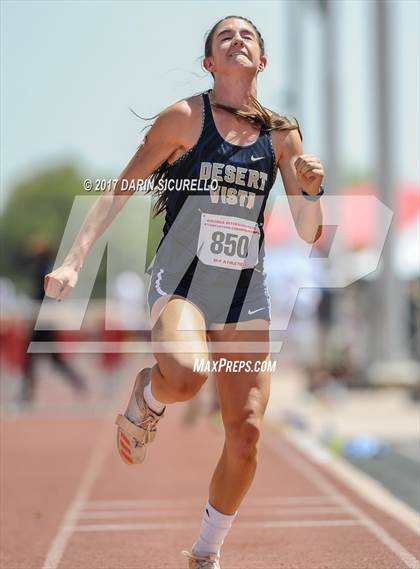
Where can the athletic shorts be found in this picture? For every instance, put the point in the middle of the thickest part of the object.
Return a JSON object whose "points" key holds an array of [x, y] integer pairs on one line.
{"points": [[220, 303]]}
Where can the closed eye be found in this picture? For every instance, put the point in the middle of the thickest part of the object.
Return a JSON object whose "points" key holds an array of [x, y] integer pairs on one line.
{"points": [[245, 37], [228, 34]]}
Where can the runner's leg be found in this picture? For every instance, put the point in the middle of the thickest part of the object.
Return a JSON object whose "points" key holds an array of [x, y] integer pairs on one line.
{"points": [[173, 376], [172, 379], [243, 400]]}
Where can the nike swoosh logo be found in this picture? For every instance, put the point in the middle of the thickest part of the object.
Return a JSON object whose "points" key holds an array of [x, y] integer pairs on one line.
{"points": [[255, 158], [254, 311]]}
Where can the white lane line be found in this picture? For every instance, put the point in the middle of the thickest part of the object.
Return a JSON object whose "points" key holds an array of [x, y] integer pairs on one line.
{"points": [[248, 502], [102, 447], [116, 514], [305, 468], [286, 501], [300, 524], [134, 527], [184, 525]]}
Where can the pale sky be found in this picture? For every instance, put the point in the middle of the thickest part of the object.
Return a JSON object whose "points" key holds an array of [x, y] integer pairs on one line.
{"points": [[70, 70]]}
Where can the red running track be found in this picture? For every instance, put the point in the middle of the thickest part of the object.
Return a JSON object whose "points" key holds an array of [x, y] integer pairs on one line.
{"points": [[68, 502]]}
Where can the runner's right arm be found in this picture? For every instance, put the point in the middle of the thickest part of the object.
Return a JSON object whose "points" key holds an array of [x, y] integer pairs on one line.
{"points": [[162, 141]]}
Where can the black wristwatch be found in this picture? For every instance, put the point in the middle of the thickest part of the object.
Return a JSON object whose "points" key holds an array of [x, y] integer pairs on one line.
{"points": [[314, 198]]}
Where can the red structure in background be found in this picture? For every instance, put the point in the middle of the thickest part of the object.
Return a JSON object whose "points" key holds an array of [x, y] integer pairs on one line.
{"points": [[13, 345], [359, 229]]}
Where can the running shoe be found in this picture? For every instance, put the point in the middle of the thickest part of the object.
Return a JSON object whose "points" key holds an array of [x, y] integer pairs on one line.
{"points": [[202, 561], [133, 437]]}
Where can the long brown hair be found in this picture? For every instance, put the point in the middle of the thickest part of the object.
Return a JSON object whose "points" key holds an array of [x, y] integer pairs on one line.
{"points": [[256, 114]]}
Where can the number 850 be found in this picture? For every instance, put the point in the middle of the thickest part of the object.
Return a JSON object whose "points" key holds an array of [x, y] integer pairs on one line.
{"points": [[230, 244]]}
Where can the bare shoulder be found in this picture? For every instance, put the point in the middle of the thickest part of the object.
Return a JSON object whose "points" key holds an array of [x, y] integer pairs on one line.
{"points": [[287, 143], [184, 110], [182, 118]]}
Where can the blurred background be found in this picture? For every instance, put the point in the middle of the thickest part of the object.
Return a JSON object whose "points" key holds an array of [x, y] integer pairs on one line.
{"points": [[349, 71]]}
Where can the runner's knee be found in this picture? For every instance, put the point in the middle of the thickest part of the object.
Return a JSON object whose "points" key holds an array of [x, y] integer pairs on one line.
{"points": [[184, 378], [242, 440]]}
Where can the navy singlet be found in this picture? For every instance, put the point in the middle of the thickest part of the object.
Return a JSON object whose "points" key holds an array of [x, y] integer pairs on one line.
{"points": [[218, 223]]}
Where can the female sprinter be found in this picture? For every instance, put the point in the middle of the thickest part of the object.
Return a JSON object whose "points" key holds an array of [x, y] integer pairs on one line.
{"points": [[209, 264]]}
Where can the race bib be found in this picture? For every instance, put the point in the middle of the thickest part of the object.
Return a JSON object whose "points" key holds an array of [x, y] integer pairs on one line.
{"points": [[228, 242]]}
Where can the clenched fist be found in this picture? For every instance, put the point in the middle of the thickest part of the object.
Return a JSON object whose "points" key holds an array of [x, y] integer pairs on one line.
{"points": [[60, 282], [309, 172]]}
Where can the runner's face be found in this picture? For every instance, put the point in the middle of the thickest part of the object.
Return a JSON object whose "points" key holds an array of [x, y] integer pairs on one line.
{"points": [[235, 47]]}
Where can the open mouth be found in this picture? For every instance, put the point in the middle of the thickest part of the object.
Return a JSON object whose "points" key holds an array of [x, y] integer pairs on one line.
{"points": [[238, 53]]}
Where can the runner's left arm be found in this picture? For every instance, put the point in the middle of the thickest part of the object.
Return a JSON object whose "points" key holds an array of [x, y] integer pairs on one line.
{"points": [[299, 172]]}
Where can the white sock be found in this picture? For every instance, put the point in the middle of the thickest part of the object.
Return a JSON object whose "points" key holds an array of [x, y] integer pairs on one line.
{"points": [[214, 528], [151, 401]]}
